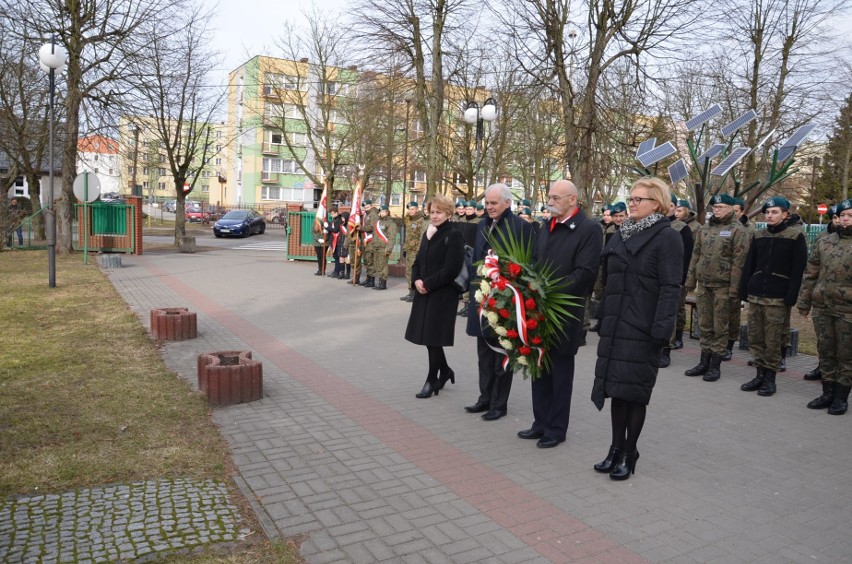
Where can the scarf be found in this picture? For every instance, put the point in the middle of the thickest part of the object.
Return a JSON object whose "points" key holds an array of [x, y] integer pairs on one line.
{"points": [[629, 227]]}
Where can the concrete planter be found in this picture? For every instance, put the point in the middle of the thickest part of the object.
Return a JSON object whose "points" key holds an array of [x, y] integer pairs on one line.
{"points": [[230, 377], [186, 244], [173, 324]]}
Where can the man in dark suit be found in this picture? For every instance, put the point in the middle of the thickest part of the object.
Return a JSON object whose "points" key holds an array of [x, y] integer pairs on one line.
{"points": [[572, 243], [495, 383]]}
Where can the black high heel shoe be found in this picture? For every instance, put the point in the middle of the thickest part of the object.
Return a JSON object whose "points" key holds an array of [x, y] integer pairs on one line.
{"points": [[442, 381], [428, 390], [606, 465], [625, 466]]}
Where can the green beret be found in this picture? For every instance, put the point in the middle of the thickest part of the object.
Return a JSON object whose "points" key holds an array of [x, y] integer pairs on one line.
{"points": [[460, 203], [525, 203], [384, 208], [618, 207], [526, 211], [776, 202], [684, 204], [413, 205], [480, 207], [843, 206], [722, 199], [470, 204], [368, 202], [739, 202], [832, 211], [674, 198]]}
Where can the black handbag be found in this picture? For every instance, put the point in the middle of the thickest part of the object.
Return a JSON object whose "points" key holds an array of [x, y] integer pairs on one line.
{"points": [[462, 280]]}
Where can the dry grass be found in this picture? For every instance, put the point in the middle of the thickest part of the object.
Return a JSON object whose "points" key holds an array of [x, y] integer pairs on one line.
{"points": [[85, 399]]}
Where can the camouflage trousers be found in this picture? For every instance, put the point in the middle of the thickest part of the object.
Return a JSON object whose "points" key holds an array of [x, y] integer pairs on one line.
{"points": [[768, 330], [714, 314], [734, 320], [834, 335], [681, 315], [368, 258], [409, 264], [380, 263]]}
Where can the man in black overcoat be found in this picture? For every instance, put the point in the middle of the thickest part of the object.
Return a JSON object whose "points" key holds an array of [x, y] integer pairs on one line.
{"points": [[572, 243], [495, 383]]}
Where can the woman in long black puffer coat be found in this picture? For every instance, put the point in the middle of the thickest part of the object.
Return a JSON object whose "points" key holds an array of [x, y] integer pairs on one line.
{"points": [[433, 312], [643, 265]]}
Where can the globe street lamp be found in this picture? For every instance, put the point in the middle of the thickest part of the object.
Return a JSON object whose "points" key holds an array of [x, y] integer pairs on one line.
{"points": [[52, 60], [473, 114]]}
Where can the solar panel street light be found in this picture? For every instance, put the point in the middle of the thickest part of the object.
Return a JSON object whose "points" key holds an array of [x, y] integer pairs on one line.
{"points": [[764, 140], [704, 117], [738, 123], [645, 146], [712, 152], [657, 154], [790, 145], [677, 171], [730, 161]]}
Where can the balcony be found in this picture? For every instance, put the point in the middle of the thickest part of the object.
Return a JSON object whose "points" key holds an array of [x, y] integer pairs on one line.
{"points": [[269, 177], [270, 148]]}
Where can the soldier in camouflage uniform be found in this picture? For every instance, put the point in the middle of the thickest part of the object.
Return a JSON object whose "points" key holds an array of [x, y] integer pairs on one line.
{"points": [[415, 226], [771, 279], [688, 242], [384, 239], [368, 257], [735, 319], [684, 213], [827, 289], [714, 273], [834, 222]]}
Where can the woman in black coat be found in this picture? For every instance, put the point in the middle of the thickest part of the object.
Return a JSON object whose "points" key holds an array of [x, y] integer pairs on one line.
{"points": [[643, 265], [433, 312]]}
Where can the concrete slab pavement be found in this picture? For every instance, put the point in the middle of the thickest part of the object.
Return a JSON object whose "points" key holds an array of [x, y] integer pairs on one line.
{"points": [[339, 448]]}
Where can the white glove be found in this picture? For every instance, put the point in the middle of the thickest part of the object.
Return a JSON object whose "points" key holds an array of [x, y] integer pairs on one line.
{"points": [[325, 225], [321, 241]]}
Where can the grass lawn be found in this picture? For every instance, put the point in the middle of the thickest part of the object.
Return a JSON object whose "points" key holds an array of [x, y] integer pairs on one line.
{"points": [[86, 401]]}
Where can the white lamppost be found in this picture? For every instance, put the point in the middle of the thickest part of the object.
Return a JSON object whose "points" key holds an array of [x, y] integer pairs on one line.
{"points": [[476, 115], [52, 59]]}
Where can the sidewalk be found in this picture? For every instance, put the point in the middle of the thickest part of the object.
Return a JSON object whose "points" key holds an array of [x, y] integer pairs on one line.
{"points": [[341, 451]]}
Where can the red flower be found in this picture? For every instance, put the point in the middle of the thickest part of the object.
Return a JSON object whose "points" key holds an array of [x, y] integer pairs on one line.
{"points": [[501, 284], [536, 340], [504, 313], [532, 323], [530, 303], [514, 269], [492, 303], [512, 334], [524, 350]]}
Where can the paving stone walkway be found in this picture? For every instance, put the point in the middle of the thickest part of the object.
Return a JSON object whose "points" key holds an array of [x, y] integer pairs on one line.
{"points": [[136, 521]]}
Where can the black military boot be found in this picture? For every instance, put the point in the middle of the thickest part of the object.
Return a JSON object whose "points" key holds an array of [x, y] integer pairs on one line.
{"points": [[729, 351], [715, 371], [841, 400], [768, 387], [783, 367], [371, 282], [755, 383], [815, 374], [382, 285], [678, 341], [583, 339], [665, 357], [826, 398], [358, 280], [408, 297], [702, 367]]}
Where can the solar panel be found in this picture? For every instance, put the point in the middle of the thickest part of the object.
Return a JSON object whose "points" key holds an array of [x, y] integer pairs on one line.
{"points": [[645, 146], [737, 124], [657, 154], [704, 117], [677, 171], [730, 161], [791, 144], [711, 152], [764, 140]]}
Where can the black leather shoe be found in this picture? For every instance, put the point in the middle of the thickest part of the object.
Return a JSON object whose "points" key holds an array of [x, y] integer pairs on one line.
{"points": [[548, 442], [449, 375], [815, 374], [478, 407], [531, 434], [493, 415], [606, 465]]}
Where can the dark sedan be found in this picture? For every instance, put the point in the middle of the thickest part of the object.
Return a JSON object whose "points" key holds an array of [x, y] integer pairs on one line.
{"points": [[241, 223]]}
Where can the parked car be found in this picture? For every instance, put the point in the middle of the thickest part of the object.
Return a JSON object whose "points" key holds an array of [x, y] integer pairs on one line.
{"points": [[279, 215], [241, 223], [196, 212], [169, 206]]}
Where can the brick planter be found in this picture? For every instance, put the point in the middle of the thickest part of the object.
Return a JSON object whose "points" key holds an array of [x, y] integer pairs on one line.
{"points": [[230, 377], [173, 324]]}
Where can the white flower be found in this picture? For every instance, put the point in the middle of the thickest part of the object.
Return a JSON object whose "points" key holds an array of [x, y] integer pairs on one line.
{"points": [[493, 318], [478, 296], [523, 360], [484, 287], [481, 270], [506, 344], [500, 331]]}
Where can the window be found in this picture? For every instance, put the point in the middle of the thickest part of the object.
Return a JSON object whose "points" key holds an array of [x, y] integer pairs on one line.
{"points": [[130, 169], [162, 172], [96, 158], [218, 148], [287, 166], [96, 170], [396, 199], [281, 193], [219, 161], [161, 186], [276, 138], [110, 172], [299, 139], [276, 81], [146, 185], [145, 171], [419, 176], [162, 158], [205, 188]]}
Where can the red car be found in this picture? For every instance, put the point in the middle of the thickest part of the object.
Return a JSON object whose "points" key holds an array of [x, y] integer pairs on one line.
{"points": [[197, 213]]}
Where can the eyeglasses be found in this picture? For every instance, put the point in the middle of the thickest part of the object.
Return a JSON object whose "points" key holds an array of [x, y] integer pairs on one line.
{"points": [[636, 200]]}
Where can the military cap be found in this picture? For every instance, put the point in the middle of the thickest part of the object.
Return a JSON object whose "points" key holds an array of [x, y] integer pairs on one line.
{"points": [[412, 205], [618, 207], [674, 198], [832, 211], [722, 199], [684, 204], [843, 206], [525, 203], [526, 211], [368, 202], [384, 208], [470, 204], [460, 203], [480, 207], [739, 202], [776, 202]]}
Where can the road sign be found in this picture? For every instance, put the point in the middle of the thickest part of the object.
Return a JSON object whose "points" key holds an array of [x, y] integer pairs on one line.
{"points": [[87, 187], [822, 209]]}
